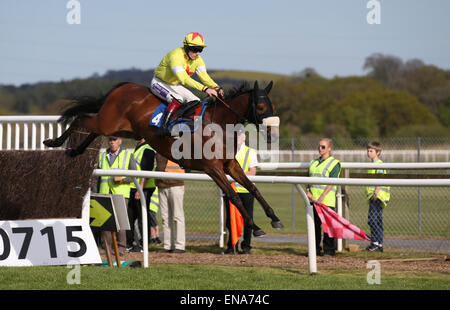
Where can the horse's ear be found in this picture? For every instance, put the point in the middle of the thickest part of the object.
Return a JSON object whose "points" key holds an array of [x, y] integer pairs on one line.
{"points": [[255, 87], [269, 87]]}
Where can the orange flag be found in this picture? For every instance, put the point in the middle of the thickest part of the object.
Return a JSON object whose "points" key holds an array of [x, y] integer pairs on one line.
{"points": [[236, 222]]}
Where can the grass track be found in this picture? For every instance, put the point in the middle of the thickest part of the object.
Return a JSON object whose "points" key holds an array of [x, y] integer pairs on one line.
{"points": [[212, 277]]}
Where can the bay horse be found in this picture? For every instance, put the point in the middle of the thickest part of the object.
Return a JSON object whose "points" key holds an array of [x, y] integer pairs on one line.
{"points": [[125, 111]]}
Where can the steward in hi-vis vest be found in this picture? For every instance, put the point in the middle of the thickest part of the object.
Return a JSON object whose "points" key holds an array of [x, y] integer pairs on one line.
{"points": [[145, 161], [116, 157], [138, 154], [384, 194], [326, 166], [154, 201], [319, 168], [120, 160], [244, 156]]}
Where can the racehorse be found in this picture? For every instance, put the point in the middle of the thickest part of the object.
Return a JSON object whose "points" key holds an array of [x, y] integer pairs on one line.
{"points": [[126, 109]]}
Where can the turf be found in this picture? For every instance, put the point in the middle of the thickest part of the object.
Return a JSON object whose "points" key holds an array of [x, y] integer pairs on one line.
{"points": [[209, 277]]}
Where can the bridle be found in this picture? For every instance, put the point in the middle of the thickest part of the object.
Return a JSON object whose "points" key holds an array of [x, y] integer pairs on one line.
{"points": [[252, 106]]}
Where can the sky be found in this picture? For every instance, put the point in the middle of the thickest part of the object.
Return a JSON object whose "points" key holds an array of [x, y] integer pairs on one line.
{"points": [[333, 37]]}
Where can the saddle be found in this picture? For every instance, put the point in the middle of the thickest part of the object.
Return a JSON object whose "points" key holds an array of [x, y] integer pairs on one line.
{"points": [[187, 114]]}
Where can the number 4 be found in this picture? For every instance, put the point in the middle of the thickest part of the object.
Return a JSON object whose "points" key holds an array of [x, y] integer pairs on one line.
{"points": [[157, 118]]}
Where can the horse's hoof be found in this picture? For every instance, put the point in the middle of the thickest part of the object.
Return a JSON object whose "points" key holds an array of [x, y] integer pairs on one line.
{"points": [[277, 224], [48, 142], [258, 232]]}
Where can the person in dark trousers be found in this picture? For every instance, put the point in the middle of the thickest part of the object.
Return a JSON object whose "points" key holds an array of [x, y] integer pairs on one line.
{"points": [[325, 166], [377, 198], [144, 156]]}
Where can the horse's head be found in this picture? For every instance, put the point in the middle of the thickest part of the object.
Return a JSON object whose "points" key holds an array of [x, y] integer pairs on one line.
{"points": [[261, 111]]}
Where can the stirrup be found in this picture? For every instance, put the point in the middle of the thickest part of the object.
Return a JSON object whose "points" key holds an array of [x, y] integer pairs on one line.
{"points": [[162, 130]]}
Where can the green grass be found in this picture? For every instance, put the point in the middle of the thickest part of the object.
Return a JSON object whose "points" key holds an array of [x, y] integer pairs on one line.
{"points": [[215, 277], [209, 277]]}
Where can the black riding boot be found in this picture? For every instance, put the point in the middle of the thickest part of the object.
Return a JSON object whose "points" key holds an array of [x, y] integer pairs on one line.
{"points": [[162, 130]]}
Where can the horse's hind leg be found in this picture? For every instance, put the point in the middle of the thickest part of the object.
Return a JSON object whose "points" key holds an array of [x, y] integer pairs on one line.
{"points": [[221, 180], [236, 172], [76, 124], [57, 142]]}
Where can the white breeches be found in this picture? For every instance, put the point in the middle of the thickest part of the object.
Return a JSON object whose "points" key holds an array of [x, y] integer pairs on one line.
{"points": [[166, 91]]}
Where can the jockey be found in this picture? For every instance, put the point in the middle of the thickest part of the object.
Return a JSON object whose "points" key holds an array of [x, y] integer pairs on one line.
{"points": [[177, 67]]}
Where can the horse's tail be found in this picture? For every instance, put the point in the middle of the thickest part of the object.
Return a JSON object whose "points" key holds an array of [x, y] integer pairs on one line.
{"points": [[84, 106]]}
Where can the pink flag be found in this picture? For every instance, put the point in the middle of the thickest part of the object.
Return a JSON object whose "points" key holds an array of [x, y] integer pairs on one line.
{"points": [[338, 227]]}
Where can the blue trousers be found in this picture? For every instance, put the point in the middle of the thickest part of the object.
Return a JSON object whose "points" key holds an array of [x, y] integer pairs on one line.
{"points": [[375, 220]]}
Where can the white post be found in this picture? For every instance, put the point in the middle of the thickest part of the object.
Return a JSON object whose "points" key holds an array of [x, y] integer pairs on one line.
{"points": [[144, 221], [339, 212], [58, 130], [25, 136], [221, 219], [42, 135], [17, 135], [86, 207], [50, 131], [8, 136], [1, 136], [312, 259], [33, 136]]}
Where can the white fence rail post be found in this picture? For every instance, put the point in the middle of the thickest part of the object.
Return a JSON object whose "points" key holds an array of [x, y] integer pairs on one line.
{"points": [[22, 136], [339, 212], [283, 180]]}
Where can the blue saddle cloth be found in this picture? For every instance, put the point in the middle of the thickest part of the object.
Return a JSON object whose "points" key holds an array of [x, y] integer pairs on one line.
{"points": [[182, 122]]}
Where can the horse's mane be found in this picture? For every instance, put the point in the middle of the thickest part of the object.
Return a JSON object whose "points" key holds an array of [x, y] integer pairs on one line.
{"points": [[234, 92]]}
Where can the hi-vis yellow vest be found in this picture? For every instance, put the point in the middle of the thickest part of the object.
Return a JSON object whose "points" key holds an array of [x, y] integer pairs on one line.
{"points": [[107, 185], [138, 154], [385, 191], [154, 201], [243, 158], [323, 170]]}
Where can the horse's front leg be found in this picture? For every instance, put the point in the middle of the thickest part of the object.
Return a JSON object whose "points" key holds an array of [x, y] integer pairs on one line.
{"points": [[235, 171], [218, 175]]}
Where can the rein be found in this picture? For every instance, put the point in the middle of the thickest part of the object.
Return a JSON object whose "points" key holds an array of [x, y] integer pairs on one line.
{"points": [[232, 110]]}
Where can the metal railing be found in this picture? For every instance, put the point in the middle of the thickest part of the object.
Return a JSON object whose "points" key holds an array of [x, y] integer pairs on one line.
{"points": [[271, 180], [28, 131]]}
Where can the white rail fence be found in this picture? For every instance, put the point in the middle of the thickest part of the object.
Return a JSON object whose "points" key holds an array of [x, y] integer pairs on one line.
{"points": [[270, 179], [399, 155], [26, 132]]}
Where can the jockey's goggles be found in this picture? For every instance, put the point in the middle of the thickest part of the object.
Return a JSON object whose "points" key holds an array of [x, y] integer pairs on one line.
{"points": [[195, 49]]}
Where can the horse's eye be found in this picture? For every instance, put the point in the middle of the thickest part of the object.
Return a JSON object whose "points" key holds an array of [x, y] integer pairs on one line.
{"points": [[261, 107]]}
